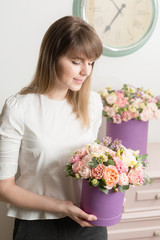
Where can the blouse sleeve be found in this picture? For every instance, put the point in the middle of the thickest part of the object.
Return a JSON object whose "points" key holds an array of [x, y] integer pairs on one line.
{"points": [[11, 132], [96, 112]]}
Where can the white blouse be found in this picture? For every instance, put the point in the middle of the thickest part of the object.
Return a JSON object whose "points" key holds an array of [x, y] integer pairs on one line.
{"points": [[39, 135]]}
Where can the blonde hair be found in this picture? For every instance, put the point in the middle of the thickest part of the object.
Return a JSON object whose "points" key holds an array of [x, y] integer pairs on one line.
{"points": [[66, 34]]}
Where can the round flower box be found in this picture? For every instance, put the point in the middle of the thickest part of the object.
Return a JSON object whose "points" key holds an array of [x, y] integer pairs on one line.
{"points": [[106, 207], [134, 134]]}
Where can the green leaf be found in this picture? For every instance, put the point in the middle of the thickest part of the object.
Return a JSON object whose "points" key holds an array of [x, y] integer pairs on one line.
{"points": [[97, 141], [142, 157], [147, 180], [120, 110], [103, 182], [68, 167], [110, 162], [125, 87], [107, 154], [94, 163], [124, 188], [105, 190], [158, 104], [140, 110]]}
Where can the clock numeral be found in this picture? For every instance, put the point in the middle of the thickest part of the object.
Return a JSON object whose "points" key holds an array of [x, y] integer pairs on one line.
{"points": [[138, 1], [130, 34], [95, 9], [98, 21], [137, 24], [141, 12]]}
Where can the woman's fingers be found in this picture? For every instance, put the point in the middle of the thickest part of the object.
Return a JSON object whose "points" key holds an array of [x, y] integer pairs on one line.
{"points": [[80, 216]]}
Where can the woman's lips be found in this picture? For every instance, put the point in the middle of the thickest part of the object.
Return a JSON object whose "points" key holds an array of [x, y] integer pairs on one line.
{"points": [[79, 81]]}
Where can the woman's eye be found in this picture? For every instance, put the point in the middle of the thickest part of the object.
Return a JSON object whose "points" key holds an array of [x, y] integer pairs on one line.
{"points": [[91, 63], [76, 63]]}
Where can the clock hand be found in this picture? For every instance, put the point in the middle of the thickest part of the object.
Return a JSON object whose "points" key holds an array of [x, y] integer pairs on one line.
{"points": [[115, 5], [108, 27]]}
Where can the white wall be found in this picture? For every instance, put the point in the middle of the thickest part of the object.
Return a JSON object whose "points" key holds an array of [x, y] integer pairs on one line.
{"points": [[22, 26]]}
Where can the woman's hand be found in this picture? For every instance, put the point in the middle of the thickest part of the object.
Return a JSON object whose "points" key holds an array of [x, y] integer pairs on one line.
{"points": [[78, 215], [11, 193]]}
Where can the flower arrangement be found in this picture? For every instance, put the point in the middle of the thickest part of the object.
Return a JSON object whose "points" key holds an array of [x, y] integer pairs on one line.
{"points": [[108, 165], [129, 103]]}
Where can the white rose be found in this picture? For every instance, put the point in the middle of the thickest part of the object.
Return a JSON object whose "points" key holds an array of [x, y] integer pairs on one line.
{"points": [[128, 158]]}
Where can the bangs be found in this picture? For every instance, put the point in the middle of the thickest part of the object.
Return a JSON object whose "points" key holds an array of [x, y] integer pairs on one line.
{"points": [[86, 44]]}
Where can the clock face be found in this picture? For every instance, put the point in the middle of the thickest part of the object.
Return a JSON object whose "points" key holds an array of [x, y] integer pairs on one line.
{"points": [[122, 25]]}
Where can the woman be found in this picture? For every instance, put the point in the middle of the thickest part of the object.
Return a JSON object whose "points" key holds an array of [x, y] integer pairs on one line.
{"points": [[41, 126]]}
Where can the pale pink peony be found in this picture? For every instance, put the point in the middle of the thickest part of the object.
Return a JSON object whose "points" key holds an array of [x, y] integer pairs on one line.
{"points": [[106, 109], [146, 114], [152, 106], [76, 166], [84, 171], [111, 176], [111, 98], [96, 148], [123, 179], [97, 172], [111, 112], [157, 114]]}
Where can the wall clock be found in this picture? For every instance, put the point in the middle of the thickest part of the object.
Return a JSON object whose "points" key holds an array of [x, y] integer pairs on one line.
{"points": [[122, 25]]}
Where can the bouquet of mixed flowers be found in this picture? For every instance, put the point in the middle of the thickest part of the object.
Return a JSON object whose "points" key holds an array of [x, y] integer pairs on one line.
{"points": [[129, 103], [108, 165]]}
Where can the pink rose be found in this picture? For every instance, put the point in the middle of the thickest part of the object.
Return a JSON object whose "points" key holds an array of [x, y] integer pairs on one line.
{"points": [[117, 119], [120, 165], [76, 166], [84, 171], [111, 176], [133, 177], [97, 172], [136, 176], [82, 152], [121, 100], [126, 116], [134, 114], [123, 179], [87, 158], [75, 158]]}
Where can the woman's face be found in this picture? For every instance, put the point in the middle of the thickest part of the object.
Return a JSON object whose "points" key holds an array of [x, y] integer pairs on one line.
{"points": [[72, 72]]}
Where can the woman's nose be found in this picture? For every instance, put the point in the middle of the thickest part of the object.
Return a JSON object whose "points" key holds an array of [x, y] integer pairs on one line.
{"points": [[85, 70]]}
